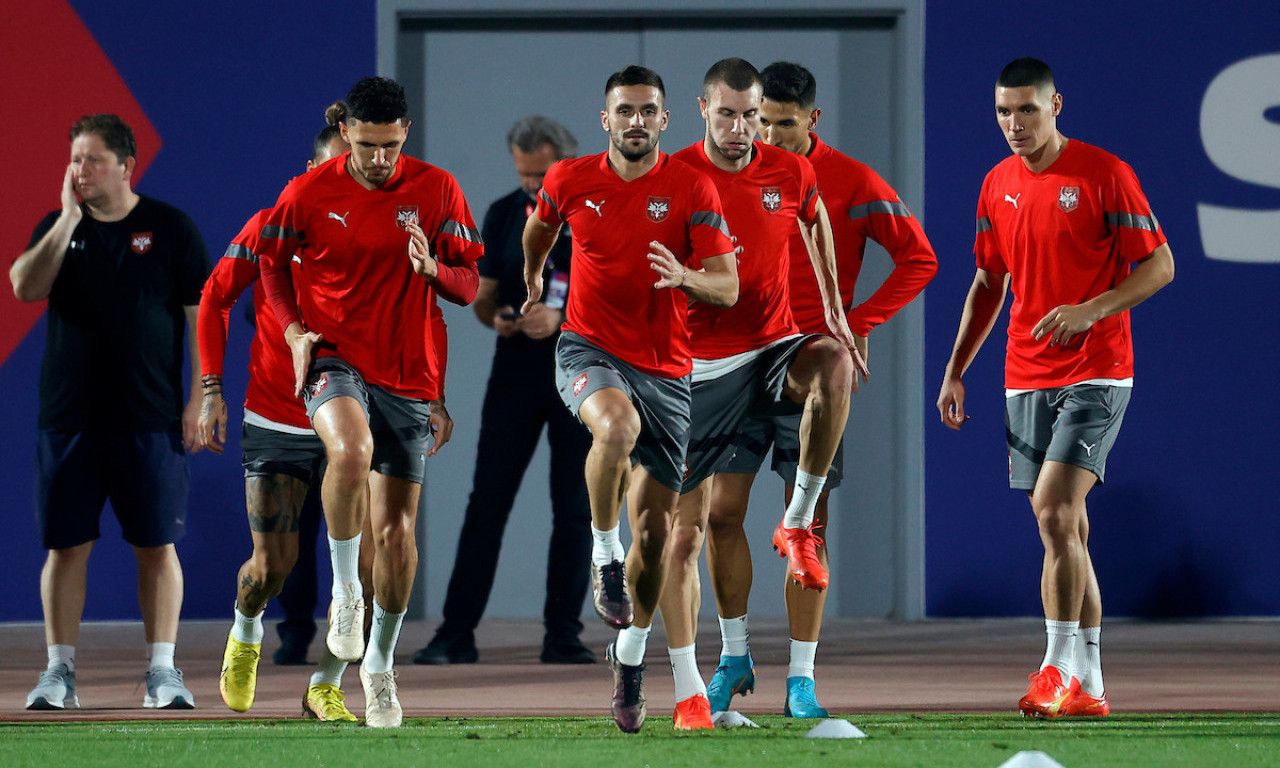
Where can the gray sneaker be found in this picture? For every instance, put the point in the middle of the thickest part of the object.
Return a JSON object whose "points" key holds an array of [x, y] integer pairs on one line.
{"points": [[166, 691], [56, 690]]}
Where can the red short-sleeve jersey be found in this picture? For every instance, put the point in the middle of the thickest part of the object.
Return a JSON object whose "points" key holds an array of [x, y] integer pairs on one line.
{"points": [[761, 203], [1064, 236], [358, 288], [612, 301], [861, 206]]}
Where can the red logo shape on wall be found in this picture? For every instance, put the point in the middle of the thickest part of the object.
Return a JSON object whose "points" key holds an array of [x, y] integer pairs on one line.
{"points": [[54, 89]]}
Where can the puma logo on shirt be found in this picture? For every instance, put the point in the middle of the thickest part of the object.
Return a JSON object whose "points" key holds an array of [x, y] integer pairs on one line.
{"points": [[596, 207], [1007, 199], [342, 219]]}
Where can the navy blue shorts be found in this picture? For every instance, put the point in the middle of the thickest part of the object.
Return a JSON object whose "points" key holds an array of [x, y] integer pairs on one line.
{"points": [[144, 474]]}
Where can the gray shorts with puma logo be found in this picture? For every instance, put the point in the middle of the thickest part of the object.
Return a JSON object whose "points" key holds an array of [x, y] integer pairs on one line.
{"points": [[1075, 425]]}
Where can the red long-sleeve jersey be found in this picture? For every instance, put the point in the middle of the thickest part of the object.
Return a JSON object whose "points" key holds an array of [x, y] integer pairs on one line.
{"points": [[862, 206]]}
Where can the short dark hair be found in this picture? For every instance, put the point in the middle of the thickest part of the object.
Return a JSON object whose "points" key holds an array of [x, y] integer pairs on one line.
{"points": [[333, 114], [635, 75], [736, 73], [1020, 73], [113, 131], [788, 83], [377, 100], [532, 132]]}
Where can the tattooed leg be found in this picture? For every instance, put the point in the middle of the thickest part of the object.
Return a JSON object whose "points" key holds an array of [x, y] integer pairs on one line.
{"points": [[274, 503]]}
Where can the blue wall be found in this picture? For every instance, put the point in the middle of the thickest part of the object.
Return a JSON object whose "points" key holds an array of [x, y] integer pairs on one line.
{"points": [[237, 92], [1185, 525]]}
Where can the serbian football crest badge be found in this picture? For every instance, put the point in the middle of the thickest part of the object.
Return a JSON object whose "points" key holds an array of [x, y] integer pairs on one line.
{"points": [[771, 198], [658, 208], [579, 384], [319, 385], [1068, 198], [406, 215], [141, 242]]}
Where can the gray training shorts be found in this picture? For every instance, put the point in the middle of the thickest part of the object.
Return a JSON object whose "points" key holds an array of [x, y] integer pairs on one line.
{"points": [[782, 433], [582, 368], [722, 406], [1074, 425], [400, 425], [271, 452]]}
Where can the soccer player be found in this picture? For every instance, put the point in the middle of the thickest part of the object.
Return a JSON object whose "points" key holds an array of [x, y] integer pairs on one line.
{"points": [[379, 235], [282, 458], [122, 273], [862, 206], [648, 237], [750, 358], [1066, 226]]}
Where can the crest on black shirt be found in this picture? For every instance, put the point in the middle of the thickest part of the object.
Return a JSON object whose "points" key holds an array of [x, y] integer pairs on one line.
{"points": [[141, 242], [771, 198], [406, 215], [658, 208]]}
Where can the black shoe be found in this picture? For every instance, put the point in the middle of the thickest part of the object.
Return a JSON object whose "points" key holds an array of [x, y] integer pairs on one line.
{"points": [[290, 654], [610, 595], [566, 650], [628, 694], [448, 649], [294, 642]]}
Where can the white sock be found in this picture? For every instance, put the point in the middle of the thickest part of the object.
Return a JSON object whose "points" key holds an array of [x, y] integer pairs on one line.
{"points": [[733, 636], [1088, 661], [379, 656], [1061, 648], [606, 546], [684, 667], [804, 499], [62, 654], [803, 653], [329, 669], [631, 643], [247, 629], [161, 655], [345, 557]]}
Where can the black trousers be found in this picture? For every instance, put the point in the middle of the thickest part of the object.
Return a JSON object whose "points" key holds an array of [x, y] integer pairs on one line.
{"points": [[520, 400]]}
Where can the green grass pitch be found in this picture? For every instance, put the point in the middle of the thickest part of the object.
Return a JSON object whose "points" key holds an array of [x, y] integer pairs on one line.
{"points": [[928, 741]]}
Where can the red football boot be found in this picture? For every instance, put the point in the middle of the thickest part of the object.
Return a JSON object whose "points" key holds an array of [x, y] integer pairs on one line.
{"points": [[1046, 694], [800, 547], [1080, 704], [694, 713]]}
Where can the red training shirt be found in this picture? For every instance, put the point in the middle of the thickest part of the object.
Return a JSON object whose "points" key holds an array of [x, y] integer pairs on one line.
{"points": [[1064, 235], [269, 393], [612, 301], [861, 206], [359, 290], [762, 203]]}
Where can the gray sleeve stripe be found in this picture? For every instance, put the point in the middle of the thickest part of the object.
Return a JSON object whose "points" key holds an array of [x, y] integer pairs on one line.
{"points": [[452, 227], [711, 219], [544, 197], [984, 224], [276, 232], [809, 196], [238, 251], [891, 207], [1133, 220]]}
